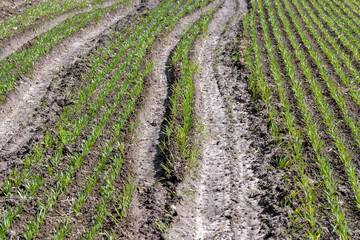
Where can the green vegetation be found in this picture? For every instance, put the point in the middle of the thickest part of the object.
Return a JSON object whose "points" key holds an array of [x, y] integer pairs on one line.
{"points": [[21, 61], [113, 87], [305, 61], [48, 9], [179, 144]]}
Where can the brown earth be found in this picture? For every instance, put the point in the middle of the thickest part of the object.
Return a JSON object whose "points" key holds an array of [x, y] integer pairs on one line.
{"points": [[21, 40], [20, 105], [236, 193], [338, 170], [13, 7]]}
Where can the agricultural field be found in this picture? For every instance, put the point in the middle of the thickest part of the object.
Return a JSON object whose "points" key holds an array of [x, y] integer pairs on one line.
{"points": [[179, 119]]}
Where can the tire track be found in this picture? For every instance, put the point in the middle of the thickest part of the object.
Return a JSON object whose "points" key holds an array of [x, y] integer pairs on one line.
{"points": [[12, 44], [10, 8], [152, 197], [223, 207], [18, 119], [226, 210]]}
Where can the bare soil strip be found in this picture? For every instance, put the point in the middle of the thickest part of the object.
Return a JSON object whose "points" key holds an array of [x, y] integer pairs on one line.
{"points": [[14, 43], [236, 193], [12, 7], [18, 116], [226, 155], [152, 197], [228, 202]]}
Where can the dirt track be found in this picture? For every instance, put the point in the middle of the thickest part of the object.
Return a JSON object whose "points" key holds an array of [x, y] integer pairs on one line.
{"points": [[17, 41], [11, 8], [228, 182], [226, 201], [235, 192], [17, 120]]}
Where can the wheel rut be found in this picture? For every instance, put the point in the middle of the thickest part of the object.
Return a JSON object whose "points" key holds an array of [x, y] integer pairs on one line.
{"points": [[14, 43], [226, 202], [10, 8], [18, 117], [152, 197], [226, 210]]}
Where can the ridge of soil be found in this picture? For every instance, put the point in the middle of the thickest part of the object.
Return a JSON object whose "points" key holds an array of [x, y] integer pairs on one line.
{"points": [[18, 121]]}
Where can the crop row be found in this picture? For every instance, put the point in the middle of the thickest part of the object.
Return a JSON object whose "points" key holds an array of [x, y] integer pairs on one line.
{"points": [[330, 183], [108, 189], [348, 13], [334, 89], [65, 137], [101, 209], [21, 61], [342, 29], [179, 145], [344, 152], [48, 9], [37, 156], [287, 56], [309, 209], [72, 120]]}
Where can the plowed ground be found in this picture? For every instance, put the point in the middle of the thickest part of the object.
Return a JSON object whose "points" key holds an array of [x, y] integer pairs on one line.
{"points": [[234, 192]]}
